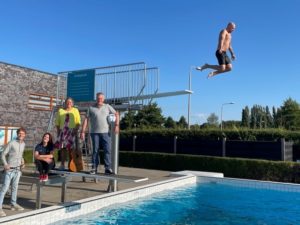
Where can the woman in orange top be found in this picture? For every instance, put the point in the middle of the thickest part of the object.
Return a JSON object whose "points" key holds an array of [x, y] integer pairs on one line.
{"points": [[67, 125]]}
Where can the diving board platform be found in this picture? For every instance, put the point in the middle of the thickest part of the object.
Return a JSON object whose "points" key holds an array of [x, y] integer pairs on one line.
{"points": [[163, 94], [121, 178], [148, 96]]}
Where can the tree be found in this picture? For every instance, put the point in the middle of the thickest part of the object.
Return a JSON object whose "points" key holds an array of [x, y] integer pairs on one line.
{"points": [[212, 120], [150, 116], [170, 123], [258, 118], [290, 113], [195, 127], [182, 122], [231, 124], [269, 118], [277, 118], [245, 117], [128, 121]]}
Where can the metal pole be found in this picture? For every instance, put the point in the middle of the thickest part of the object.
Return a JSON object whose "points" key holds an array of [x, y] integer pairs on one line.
{"points": [[175, 144], [223, 147], [115, 84], [115, 152], [57, 89], [133, 145], [228, 103], [38, 203], [189, 97], [222, 117], [113, 184], [282, 140]]}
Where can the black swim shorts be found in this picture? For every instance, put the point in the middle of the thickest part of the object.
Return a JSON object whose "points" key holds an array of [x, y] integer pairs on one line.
{"points": [[223, 58]]}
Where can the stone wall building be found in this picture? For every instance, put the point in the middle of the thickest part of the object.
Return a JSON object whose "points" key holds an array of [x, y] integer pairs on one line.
{"points": [[27, 99]]}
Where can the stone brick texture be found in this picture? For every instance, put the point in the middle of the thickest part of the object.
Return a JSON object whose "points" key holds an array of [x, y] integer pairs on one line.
{"points": [[16, 84]]}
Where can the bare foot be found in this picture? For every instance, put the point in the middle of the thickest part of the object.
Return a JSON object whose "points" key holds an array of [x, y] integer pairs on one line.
{"points": [[205, 66], [211, 74], [201, 68]]}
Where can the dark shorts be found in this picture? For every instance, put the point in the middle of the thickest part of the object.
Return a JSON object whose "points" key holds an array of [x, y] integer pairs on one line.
{"points": [[223, 58]]}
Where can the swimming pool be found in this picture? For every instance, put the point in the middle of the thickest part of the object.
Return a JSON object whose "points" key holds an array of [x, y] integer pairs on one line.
{"points": [[203, 203]]}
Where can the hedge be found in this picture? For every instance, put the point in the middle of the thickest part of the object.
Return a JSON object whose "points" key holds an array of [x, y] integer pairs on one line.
{"points": [[215, 134], [231, 167]]}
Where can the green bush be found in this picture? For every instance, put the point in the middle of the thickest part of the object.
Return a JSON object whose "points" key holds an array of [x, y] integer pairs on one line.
{"points": [[230, 167]]}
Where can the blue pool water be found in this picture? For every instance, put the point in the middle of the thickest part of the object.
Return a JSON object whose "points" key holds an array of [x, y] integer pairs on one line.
{"points": [[205, 203]]}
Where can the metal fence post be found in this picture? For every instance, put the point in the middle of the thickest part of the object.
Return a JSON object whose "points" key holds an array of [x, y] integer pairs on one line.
{"points": [[175, 144], [223, 147], [282, 140], [133, 145]]}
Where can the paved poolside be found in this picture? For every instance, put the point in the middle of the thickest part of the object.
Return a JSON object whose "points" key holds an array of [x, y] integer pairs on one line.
{"points": [[77, 189]]}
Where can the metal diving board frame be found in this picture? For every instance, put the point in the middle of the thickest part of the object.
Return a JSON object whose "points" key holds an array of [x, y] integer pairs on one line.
{"points": [[63, 177], [157, 95], [165, 94], [39, 186], [116, 101], [122, 178]]}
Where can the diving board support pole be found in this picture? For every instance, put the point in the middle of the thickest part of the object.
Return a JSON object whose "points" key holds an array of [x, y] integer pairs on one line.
{"points": [[189, 97], [113, 184]]}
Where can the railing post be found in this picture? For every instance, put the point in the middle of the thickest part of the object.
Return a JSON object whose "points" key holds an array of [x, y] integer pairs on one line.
{"points": [[64, 190], [175, 144], [133, 140], [282, 140], [223, 146], [38, 203]]}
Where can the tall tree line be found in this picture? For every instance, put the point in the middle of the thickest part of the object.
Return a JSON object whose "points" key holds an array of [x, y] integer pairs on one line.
{"points": [[150, 117], [286, 116]]}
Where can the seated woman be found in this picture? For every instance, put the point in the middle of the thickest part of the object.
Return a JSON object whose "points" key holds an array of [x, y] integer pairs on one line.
{"points": [[43, 156]]}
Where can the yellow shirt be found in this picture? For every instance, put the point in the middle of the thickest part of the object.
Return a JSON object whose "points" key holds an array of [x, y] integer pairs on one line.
{"points": [[74, 118]]}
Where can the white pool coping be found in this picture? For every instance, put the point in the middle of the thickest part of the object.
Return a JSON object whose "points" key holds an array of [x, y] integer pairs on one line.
{"points": [[204, 177], [198, 173]]}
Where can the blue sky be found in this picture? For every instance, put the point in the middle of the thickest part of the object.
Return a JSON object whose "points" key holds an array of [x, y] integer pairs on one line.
{"points": [[173, 35]]}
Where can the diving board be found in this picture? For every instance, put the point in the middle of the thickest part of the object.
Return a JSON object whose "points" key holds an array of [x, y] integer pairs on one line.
{"points": [[123, 103], [121, 178], [149, 96], [164, 94]]}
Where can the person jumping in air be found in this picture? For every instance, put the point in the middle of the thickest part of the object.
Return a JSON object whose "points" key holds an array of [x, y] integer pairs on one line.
{"points": [[223, 59]]}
